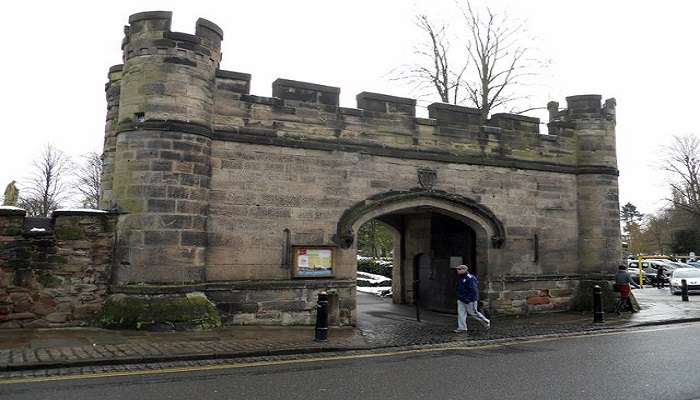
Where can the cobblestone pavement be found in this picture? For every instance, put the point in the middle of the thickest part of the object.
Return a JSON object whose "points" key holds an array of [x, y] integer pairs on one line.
{"points": [[381, 325]]}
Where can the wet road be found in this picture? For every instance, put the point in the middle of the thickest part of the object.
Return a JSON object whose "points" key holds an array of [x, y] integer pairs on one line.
{"points": [[658, 363]]}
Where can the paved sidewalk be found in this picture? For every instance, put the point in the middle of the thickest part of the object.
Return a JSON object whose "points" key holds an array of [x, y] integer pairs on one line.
{"points": [[659, 306], [381, 324]]}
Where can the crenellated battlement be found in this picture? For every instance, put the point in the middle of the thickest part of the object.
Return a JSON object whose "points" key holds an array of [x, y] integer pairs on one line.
{"points": [[149, 33], [303, 111], [156, 93]]}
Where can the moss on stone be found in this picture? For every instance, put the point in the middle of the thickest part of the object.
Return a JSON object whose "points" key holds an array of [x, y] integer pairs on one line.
{"points": [[132, 205], [191, 311], [57, 260], [69, 233], [11, 231], [50, 281]]}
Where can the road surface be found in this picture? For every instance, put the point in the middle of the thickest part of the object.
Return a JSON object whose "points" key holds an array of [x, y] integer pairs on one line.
{"points": [[655, 363]]}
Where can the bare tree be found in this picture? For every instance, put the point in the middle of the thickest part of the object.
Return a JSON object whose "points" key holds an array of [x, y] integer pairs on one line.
{"points": [[88, 177], [47, 188], [497, 59], [434, 70], [682, 162]]}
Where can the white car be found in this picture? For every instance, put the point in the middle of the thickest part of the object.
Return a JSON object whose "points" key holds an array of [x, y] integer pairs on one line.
{"points": [[691, 276]]}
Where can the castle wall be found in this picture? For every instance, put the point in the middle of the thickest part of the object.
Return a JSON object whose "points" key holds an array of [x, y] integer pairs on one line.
{"points": [[512, 139], [211, 181], [54, 277], [258, 191]]}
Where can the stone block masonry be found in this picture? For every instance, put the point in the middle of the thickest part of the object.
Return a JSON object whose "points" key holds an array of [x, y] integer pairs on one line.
{"points": [[214, 185], [57, 275]]}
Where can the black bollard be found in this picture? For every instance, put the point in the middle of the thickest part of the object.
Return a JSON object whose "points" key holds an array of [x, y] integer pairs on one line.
{"points": [[598, 315], [684, 290], [322, 318], [416, 297]]}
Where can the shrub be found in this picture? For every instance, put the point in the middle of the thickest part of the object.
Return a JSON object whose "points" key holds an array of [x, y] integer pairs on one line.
{"points": [[374, 266]]}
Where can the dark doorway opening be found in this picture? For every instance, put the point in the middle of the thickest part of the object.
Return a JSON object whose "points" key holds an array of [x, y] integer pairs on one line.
{"points": [[428, 246], [452, 243]]}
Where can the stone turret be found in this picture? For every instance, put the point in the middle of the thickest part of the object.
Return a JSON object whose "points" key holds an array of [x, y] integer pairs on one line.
{"points": [[163, 146], [593, 126], [112, 93]]}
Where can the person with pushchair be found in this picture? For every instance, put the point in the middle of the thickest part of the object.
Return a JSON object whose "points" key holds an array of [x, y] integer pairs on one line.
{"points": [[622, 286]]}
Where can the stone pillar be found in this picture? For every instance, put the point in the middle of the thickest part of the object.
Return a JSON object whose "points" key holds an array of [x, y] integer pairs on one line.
{"points": [[163, 146], [599, 245], [416, 237]]}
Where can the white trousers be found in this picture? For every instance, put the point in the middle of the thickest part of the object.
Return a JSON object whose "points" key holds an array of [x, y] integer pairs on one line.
{"points": [[467, 309]]}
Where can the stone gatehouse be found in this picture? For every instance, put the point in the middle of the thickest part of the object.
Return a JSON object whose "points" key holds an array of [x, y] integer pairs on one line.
{"points": [[223, 192]]}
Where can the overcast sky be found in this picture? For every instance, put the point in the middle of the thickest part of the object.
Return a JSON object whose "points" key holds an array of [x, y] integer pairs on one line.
{"points": [[56, 56]]}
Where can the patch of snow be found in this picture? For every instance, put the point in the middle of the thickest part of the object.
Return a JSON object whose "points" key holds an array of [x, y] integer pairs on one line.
{"points": [[384, 262], [83, 210], [382, 291], [37, 230], [11, 208], [372, 278]]}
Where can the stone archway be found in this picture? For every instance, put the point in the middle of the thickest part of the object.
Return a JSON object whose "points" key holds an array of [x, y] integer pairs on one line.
{"points": [[461, 207], [420, 208]]}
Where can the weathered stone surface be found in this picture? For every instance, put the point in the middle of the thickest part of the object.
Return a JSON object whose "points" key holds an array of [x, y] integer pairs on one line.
{"points": [[35, 324], [583, 296], [145, 312], [21, 315], [10, 325], [57, 317], [537, 300], [560, 292], [43, 309], [69, 263]]}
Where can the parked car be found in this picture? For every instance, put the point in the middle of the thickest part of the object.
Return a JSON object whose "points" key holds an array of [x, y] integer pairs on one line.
{"points": [[691, 276], [649, 268], [667, 263]]}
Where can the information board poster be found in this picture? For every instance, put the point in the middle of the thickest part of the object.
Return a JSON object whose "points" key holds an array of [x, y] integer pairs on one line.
{"points": [[313, 262]]}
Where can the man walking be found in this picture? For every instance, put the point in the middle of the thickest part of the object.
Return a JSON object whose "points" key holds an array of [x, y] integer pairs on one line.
{"points": [[467, 299]]}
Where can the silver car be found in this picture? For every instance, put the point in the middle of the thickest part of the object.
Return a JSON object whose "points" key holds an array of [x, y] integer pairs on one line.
{"points": [[691, 276]]}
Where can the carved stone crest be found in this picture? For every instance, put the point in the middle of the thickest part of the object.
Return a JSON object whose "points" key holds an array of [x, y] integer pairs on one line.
{"points": [[427, 178]]}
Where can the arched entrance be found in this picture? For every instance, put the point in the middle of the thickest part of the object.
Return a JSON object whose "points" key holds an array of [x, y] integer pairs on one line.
{"points": [[436, 231]]}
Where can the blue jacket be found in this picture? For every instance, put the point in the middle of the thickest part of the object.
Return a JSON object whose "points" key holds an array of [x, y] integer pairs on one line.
{"points": [[467, 288]]}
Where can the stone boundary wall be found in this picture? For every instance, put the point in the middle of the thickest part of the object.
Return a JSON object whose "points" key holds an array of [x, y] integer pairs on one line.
{"points": [[521, 295], [55, 276], [264, 302]]}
